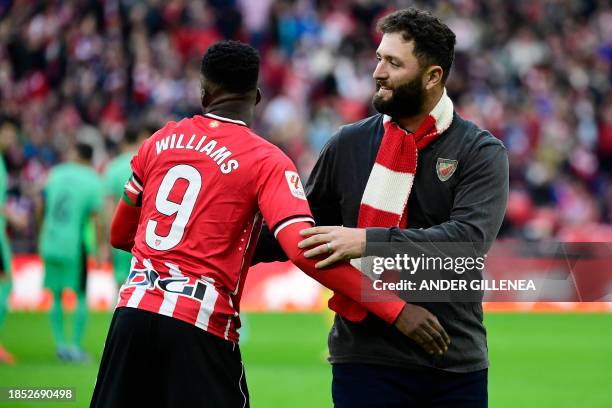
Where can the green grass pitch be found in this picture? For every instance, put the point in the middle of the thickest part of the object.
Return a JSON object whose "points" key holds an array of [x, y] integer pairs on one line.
{"points": [[537, 360]]}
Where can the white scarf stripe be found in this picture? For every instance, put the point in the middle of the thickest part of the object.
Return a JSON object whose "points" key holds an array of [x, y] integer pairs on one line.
{"points": [[442, 114], [387, 189]]}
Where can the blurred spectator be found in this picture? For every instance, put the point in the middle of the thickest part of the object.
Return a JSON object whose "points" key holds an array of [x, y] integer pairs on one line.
{"points": [[536, 74]]}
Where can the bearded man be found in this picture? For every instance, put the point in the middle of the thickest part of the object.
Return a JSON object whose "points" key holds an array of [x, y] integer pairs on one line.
{"points": [[415, 173]]}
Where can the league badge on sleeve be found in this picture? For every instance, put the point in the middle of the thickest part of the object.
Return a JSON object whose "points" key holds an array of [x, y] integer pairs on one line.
{"points": [[445, 168], [295, 184]]}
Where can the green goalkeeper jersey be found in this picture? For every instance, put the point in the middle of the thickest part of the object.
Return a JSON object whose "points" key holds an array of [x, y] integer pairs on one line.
{"points": [[5, 254], [73, 192], [117, 173]]}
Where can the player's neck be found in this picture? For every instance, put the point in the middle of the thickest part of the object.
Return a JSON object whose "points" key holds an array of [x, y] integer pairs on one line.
{"points": [[232, 110], [82, 162]]}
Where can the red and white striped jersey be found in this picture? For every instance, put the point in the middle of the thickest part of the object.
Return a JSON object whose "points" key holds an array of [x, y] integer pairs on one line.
{"points": [[204, 185]]}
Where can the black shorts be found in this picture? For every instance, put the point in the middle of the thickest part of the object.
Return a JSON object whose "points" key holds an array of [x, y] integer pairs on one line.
{"points": [[151, 360]]}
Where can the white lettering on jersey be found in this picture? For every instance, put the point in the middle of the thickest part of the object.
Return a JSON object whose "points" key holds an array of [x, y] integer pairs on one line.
{"points": [[220, 155], [178, 142], [162, 144], [295, 184], [209, 147], [228, 167], [200, 142], [189, 145]]}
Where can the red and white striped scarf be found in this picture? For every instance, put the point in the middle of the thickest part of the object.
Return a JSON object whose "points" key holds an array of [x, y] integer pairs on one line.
{"points": [[385, 199]]}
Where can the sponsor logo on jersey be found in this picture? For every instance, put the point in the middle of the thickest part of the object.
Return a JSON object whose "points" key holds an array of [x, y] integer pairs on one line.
{"points": [[179, 285], [295, 184], [214, 124], [445, 168]]}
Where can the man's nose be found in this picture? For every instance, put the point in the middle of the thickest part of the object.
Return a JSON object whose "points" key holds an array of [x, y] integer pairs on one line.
{"points": [[380, 73]]}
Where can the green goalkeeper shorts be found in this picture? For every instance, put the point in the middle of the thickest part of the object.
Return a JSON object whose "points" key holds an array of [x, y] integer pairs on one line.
{"points": [[66, 274]]}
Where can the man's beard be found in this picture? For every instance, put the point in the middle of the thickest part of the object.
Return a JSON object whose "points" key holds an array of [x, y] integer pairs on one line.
{"points": [[407, 100]]}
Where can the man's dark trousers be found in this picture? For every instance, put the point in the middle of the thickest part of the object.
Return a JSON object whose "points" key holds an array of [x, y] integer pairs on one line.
{"points": [[368, 385]]}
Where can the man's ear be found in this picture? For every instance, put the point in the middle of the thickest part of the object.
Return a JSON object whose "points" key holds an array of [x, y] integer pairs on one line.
{"points": [[258, 96], [433, 76]]}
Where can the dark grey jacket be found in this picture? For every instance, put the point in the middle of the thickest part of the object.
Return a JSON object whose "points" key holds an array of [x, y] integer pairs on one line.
{"points": [[468, 207]]}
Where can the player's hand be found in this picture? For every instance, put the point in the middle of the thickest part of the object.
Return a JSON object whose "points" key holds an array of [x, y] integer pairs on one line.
{"points": [[339, 242], [424, 328]]}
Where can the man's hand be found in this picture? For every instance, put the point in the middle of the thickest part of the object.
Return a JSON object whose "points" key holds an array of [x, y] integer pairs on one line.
{"points": [[340, 242], [423, 327]]}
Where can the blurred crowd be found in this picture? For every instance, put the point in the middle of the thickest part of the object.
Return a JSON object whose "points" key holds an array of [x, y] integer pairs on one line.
{"points": [[536, 73]]}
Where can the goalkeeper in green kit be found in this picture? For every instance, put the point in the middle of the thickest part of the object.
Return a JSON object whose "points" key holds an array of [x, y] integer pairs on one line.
{"points": [[73, 195], [5, 262]]}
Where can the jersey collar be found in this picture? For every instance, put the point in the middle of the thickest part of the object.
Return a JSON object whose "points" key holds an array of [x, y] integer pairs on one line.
{"points": [[221, 118]]}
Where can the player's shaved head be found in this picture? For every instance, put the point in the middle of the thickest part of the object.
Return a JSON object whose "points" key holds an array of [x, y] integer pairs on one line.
{"points": [[232, 66]]}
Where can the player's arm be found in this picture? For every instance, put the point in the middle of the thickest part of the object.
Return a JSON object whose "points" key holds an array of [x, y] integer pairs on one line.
{"points": [[414, 322], [282, 201], [125, 220], [342, 278], [322, 200]]}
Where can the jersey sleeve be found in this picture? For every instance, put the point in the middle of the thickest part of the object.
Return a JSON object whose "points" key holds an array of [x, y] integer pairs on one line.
{"points": [[280, 195]]}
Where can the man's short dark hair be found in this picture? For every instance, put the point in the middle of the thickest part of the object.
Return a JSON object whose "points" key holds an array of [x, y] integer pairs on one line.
{"points": [[434, 42], [232, 65], [84, 151]]}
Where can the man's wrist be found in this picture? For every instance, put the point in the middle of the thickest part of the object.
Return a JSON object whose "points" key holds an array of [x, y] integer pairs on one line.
{"points": [[395, 309]]}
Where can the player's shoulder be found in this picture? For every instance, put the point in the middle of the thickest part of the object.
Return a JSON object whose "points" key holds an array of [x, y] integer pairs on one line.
{"points": [[61, 170], [87, 173], [266, 151], [114, 164]]}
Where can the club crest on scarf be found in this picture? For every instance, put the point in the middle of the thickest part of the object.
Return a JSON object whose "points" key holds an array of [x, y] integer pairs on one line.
{"points": [[445, 168]]}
